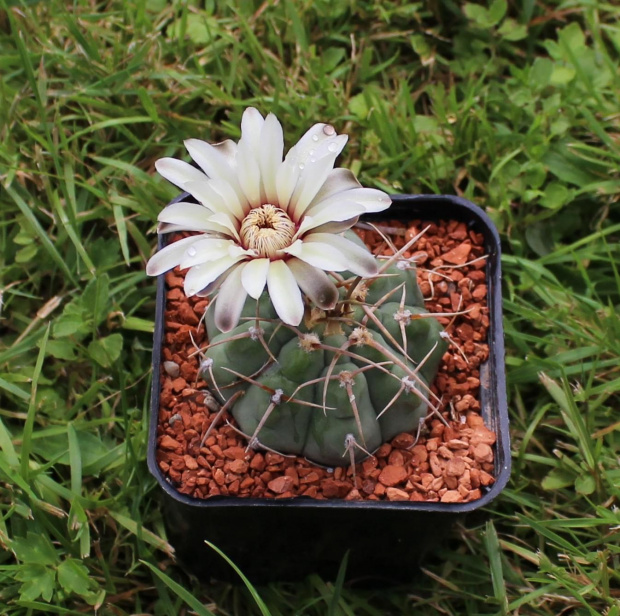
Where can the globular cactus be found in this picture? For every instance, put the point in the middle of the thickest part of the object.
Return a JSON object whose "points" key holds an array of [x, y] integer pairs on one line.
{"points": [[336, 355], [340, 384]]}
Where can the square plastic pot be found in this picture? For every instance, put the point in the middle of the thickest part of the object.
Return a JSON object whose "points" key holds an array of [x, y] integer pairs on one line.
{"points": [[277, 540]]}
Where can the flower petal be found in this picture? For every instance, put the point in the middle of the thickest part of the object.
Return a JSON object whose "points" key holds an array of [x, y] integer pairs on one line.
{"points": [[333, 253], [359, 260], [316, 170], [222, 220], [214, 161], [219, 196], [213, 285], [178, 171], [169, 256], [344, 211], [228, 149], [199, 276], [248, 155], [204, 193], [249, 175], [315, 283], [321, 255], [252, 123], [368, 199], [230, 301], [254, 276], [272, 142], [191, 216], [203, 250], [337, 181], [284, 293], [286, 180], [166, 227], [313, 139], [336, 227]]}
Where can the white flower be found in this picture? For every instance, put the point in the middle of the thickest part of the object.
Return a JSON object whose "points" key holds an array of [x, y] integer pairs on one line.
{"points": [[265, 221]]}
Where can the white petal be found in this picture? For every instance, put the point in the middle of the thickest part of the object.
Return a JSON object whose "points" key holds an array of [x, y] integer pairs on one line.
{"points": [[251, 126], [230, 301], [190, 216], [344, 211], [222, 195], [248, 154], [234, 250], [315, 173], [214, 161], [338, 180], [178, 172], [226, 221], [203, 192], [249, 175], [228, 149], [286, 180], [166, 227], [203, 250], [254, 276], [336, 227], [212, 286], [321, 255], [315, 283], [369, 200], [209, 158], [169, 256], [294, 249], [199, 276], [359, 260], [284, 293], [272, 145], [310, 142]]}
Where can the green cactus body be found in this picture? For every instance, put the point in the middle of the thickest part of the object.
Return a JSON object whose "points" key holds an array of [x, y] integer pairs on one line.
{"points": [[346, 380]]}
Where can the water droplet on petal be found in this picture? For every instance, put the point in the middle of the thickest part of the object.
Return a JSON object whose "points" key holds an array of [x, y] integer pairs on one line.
{"points": [[191, 292], [315, 137], [313, 160], [329, 130], [301, 165], [191, 251], [311, 152], [332, 147]]}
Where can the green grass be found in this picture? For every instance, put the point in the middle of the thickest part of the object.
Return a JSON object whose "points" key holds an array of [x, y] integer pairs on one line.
{"points": [[514, 107]]}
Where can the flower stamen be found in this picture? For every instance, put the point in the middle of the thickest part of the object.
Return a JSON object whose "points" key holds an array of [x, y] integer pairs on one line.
{"points": [[267, 229]]}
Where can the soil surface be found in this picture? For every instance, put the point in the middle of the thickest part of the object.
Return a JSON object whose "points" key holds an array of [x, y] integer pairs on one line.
{"points": [[450, 463]]}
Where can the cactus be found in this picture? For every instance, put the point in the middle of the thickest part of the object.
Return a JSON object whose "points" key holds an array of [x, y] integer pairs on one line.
{"points": [[340, 384], [338, 353]]}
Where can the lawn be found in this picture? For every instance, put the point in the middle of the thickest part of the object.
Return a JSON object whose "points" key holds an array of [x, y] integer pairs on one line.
{"points": [[513, 105]]}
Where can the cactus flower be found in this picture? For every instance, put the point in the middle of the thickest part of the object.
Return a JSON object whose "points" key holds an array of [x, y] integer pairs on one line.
{"points": [[261, 220]]}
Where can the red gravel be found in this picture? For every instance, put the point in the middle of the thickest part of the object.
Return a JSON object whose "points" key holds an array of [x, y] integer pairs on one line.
{"points": [[450, 465]]}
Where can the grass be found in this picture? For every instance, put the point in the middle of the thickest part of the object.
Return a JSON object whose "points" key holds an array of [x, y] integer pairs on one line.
{"points": [[512, 106]]}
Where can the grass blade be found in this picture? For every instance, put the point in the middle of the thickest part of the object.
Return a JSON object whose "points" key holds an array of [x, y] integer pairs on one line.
{"points": [[259, 601], [178, 590]]}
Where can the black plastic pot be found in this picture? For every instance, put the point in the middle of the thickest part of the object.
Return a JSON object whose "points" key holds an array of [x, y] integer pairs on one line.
{"points": [[289, 539]]}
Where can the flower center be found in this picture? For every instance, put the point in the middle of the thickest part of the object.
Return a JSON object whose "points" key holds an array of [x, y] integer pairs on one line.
{"points": [[267, 229]]}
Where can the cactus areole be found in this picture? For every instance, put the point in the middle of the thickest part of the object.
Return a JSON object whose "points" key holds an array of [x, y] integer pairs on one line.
{"points": [[336, 354]]}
